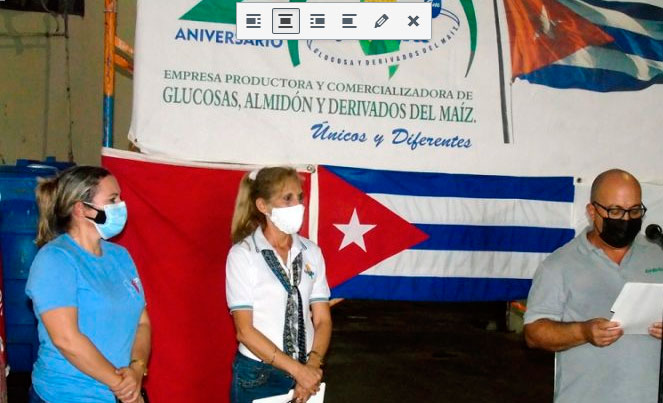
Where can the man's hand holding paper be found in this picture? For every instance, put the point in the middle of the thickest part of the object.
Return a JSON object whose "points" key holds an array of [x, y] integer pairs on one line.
{"points": [[602, 332]]}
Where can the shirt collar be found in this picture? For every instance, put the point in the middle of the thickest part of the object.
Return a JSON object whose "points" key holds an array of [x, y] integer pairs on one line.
{"points": [[586, 247], [261, 243]]}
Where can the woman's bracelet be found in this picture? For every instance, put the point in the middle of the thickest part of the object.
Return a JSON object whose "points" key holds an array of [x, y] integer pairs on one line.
{"points": [[320, 357], [141, 363]]}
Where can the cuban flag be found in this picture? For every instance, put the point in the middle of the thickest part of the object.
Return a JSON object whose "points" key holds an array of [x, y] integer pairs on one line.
{"points": [[597, 45], [439, 237]]}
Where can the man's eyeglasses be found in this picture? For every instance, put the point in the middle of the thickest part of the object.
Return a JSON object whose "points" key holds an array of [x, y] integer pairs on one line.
{"points": [[618, 212]]}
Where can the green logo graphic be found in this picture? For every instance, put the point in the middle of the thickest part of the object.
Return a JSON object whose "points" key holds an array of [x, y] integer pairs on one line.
{"points": [[225, 11], [219, 11]]}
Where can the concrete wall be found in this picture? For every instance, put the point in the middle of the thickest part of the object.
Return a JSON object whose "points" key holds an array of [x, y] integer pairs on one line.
{"points": [[37, 118]]}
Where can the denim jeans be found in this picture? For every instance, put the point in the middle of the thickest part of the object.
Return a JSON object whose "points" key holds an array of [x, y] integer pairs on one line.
{"points": [[254, 380], [33, 397]]}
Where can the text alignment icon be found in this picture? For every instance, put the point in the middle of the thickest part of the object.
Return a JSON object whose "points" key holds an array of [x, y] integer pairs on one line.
{"points": [[348, 20], [253, 20], [317, 21], [285, 20]]}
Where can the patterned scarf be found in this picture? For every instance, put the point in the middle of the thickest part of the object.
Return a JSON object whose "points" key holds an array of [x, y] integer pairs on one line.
{"points": [[294, 315]]}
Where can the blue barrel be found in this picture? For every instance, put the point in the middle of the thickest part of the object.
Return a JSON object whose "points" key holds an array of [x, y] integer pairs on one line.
{"points": [[18, 229]]}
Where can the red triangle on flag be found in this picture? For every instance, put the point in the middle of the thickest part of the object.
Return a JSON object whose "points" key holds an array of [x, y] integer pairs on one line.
{"points": [[544, 31], [350, 219]]}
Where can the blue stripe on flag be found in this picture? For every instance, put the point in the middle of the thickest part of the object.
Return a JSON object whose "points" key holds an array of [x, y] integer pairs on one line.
{"points": [[635, 44], [433, 288], [635, 10], [558, 189], [560, 76], [493, 238]]}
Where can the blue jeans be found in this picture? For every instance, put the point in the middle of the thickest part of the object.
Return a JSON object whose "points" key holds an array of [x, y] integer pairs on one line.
{"points": [[33, 397], [254, 380]]}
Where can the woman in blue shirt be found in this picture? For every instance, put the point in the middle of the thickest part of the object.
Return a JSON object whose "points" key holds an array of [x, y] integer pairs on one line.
{"points": [[94, 332]]}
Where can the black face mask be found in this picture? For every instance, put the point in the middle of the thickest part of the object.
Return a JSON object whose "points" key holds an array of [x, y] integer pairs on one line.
{"points": [[620, 233]]}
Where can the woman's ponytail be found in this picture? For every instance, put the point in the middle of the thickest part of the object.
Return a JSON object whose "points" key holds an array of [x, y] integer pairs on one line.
{"points": [[244, 220], [46, 194]]}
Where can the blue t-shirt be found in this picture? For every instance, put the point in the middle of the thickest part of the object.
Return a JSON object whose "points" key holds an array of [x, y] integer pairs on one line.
{"points": [[109, 298]]}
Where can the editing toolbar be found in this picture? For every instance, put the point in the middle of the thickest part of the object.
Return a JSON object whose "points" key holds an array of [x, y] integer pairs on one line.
{"points": [[333, 20]]}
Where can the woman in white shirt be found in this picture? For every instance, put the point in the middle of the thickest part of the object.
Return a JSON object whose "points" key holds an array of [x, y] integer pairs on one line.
{"points": [[277, 291]]}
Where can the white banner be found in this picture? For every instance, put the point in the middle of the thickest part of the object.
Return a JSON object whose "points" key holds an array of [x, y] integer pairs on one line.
{"points": [[201, 94]]}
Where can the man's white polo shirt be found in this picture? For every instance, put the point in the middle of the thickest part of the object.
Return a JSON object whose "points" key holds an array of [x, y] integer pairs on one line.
{"points": [[251, 285]]}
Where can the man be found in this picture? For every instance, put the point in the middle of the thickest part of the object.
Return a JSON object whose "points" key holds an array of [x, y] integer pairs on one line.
{"points": [[574, 289]]}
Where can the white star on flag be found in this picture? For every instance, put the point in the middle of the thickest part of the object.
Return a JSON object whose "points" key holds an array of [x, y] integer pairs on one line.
{"points": [[547, 25], [353, 232]]}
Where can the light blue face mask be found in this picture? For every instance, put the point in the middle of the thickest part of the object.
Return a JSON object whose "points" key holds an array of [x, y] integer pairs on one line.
{"points": [[111, 220]]}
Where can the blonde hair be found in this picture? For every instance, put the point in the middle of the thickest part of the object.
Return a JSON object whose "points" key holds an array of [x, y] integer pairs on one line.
{"points": [[56, 197], [267, 182]]}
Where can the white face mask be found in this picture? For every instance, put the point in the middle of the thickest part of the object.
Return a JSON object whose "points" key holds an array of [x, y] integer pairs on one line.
{"points": [[288, 219]]}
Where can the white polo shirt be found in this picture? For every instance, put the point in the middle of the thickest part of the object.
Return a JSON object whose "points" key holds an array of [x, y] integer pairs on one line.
{"points": [[251, 285]]}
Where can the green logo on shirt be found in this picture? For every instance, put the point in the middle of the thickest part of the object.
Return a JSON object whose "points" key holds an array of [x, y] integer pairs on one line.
{"points": [[654, 270]]}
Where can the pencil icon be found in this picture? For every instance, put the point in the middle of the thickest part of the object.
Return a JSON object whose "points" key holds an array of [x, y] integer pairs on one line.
{"points": [[380, 21]]}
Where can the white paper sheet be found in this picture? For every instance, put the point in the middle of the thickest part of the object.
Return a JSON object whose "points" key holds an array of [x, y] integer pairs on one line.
{"points": [[318, 398], [638, 306]]}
